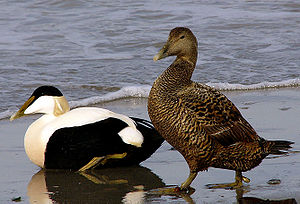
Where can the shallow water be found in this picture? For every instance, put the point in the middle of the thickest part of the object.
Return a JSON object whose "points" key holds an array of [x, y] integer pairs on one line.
{"points": [[93, 48], [273, 113]]}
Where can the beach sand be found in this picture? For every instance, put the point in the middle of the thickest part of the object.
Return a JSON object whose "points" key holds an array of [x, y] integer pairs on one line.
{"points": [[274, 113]]}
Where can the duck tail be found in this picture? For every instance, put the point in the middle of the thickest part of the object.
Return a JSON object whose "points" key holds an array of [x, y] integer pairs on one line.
{"points": [[151, 136], [278, 147]]}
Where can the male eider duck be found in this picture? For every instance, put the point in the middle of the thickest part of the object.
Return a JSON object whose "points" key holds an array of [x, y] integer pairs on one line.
{"points": [[83, 138], [199, 121]]}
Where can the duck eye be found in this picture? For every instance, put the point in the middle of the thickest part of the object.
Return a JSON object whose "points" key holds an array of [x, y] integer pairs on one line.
{"points": [[182, 37]]}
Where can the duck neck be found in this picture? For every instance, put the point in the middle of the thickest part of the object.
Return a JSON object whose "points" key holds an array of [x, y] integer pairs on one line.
{"points": [[178, 74], [190, 56]]}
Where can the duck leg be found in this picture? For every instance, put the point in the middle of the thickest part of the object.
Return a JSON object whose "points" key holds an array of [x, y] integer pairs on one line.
{"points": [[101, 160], [183, 189], [189, 180], [92, 163], [239, 178], [112, 156]]}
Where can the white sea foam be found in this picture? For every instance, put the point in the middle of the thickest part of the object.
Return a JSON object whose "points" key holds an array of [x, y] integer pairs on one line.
{"points": [[143, 92], [128, 91], [261, 85]]}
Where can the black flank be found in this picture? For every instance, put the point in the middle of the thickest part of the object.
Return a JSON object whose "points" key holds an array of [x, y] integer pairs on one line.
{"points": [[74, 147]]}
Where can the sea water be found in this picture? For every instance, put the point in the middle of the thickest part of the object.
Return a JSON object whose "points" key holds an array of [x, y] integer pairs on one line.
{"points": [[96, 51]]}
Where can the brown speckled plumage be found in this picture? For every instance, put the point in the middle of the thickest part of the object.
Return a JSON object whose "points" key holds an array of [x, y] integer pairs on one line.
{"points": [[199, 121]]}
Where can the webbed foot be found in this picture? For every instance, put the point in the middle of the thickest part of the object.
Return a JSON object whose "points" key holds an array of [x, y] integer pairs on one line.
{"points": [[239, 178], [101, 161]]}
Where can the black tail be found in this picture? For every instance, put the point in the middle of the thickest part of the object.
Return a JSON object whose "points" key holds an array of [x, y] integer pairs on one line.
{"points": [[278, 147], [151, 136], [143, 121], [152, 140]]}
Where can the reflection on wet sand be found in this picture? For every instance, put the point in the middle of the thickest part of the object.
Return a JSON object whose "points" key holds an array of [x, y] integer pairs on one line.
{"points": [[252, 200], [116, 185], [239, 196]]}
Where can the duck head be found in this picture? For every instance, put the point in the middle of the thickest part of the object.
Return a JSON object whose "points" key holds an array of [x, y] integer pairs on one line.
{"points": [[46, 100], [181, 43]]}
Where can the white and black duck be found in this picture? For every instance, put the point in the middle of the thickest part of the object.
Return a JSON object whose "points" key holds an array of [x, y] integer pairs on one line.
{"points": [[83, 138]]}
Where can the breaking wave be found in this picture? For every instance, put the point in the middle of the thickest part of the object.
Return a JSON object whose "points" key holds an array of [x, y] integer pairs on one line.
{"points": [[143, 92]]}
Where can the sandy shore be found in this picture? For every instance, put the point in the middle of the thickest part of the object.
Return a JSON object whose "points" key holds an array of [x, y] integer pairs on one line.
{"points": [[274, 113]]}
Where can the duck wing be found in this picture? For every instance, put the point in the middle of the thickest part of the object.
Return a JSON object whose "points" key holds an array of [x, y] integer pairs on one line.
{"points": [[216, 114]]}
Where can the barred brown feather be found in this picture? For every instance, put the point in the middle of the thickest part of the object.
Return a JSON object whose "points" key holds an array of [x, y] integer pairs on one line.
{"points": [[199, 121]]}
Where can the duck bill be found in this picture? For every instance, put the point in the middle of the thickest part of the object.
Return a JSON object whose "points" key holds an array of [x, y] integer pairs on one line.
{"points": [[20, 112], [163, 53]]}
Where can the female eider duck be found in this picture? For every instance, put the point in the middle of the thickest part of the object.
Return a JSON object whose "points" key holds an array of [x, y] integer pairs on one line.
{"points": [[83, 138], [199, 121]]}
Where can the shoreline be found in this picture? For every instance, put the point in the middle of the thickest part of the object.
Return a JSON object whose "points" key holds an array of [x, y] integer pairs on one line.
{"points": [[131, 92], [274, 114]]}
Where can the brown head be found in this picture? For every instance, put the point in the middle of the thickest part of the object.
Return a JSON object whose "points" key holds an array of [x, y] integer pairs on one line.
{"points": [[181, 43]]}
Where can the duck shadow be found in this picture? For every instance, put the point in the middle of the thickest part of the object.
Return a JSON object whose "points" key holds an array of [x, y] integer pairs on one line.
{"points": [[111, 185]]}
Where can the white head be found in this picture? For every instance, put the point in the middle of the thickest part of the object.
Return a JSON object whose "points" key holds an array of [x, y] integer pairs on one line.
{"points": [[46, 100]]}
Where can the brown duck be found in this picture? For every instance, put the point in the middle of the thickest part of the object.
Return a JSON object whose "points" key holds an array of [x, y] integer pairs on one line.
{"points": [[199, 121]]}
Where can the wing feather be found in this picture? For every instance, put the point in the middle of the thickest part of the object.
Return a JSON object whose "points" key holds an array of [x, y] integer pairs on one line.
{"points": [[216, 114]]}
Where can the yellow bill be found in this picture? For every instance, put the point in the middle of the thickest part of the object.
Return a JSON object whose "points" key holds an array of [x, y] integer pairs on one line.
{"points": [[20, 113], [163, 53]]}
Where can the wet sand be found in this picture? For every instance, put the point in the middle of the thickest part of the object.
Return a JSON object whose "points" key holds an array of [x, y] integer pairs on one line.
{"points": [[274, 113]]}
